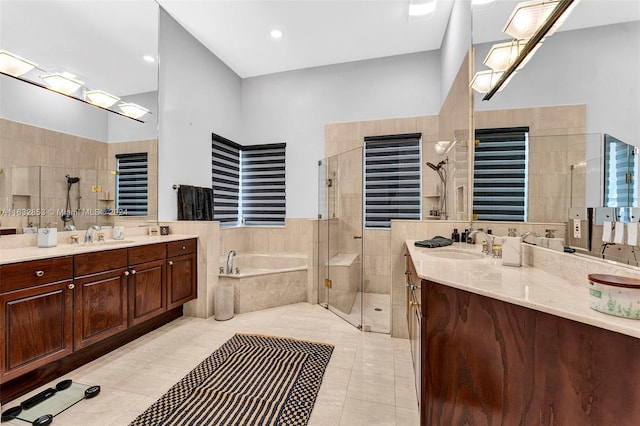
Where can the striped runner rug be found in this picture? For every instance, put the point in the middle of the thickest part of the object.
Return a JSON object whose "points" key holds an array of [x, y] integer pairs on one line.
{"points": [[250, 380]]}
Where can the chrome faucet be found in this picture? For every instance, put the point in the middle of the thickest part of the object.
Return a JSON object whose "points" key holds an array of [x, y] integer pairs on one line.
{"points": [[526, 234], [88, 237], [230, 262], [488, 238]]}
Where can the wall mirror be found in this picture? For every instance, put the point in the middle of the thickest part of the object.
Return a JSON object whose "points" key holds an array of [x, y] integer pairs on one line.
{"points": [[553, 96], [59, 154]]}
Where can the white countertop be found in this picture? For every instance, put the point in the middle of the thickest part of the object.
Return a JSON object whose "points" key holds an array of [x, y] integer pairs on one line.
{"points": [[22, 254], [525, 286]]}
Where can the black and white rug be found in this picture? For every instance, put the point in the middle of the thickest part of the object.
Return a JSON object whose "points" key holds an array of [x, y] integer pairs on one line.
{"points": [[250, 380]]}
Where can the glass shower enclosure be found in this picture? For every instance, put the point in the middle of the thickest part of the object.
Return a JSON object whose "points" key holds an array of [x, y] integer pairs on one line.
{"points": [[340, 242]]}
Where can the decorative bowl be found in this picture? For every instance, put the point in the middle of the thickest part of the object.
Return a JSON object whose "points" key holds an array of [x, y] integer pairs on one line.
{"points": [[615, 295]]}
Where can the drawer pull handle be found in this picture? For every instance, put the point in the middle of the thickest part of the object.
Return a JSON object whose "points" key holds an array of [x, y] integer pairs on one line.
{"points": [[39, 273], [133, 271], [171, 263], [71, 286], [126, 273]]}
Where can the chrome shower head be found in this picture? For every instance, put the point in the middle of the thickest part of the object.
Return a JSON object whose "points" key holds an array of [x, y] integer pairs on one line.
{"points": [[433, 166], [71, 180]]}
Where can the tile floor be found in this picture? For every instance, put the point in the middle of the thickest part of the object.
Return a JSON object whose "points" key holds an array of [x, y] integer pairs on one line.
{"points": [[369, 380], [377, 312]]}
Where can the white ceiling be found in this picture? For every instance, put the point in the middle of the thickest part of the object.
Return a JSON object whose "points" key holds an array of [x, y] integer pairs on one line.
{"points": [[102, 41]]}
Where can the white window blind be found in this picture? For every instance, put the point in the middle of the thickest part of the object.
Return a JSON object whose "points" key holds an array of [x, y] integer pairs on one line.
{"points": [[225, 169], [500, 174], [392, 179], [263, 184], [132, 185], [248, 183], [620, 168]]}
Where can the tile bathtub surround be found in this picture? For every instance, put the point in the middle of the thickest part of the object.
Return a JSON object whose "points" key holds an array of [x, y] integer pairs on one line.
{"points": [[369, 379]]}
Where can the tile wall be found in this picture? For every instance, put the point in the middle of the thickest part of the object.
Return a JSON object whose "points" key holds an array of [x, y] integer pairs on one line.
{"points": [[35, 161]]}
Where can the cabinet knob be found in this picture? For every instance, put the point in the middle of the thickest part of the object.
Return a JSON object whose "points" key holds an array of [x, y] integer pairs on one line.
{"points": [[71, 286], [184, 247], [126, 273], [171, 263], [39, 273], [133, 272]]}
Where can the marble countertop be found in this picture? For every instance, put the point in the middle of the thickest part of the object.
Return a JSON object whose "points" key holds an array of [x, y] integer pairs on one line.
{"points": [[22, 254], [525, 286]]}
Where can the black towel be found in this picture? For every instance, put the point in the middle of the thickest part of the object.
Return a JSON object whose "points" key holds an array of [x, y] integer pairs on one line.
{"points": [[434, 242], [195, 203]]}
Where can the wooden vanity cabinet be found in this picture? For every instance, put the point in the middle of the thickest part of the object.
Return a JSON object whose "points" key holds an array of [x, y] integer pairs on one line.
{"points": [[181, 272], [101, 296], [147, 282], [36, 314], [414, 320]]}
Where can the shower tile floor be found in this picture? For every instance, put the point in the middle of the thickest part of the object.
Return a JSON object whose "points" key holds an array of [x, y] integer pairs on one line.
{"points": [[369, 380], [377, 312]]}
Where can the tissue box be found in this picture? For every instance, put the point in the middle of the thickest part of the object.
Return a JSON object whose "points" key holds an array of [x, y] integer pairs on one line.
{"points": [[512, 251], [47, 237]]}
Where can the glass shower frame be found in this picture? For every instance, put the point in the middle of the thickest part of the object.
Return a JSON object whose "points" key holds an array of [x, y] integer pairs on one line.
{"points": [[340, 231]]}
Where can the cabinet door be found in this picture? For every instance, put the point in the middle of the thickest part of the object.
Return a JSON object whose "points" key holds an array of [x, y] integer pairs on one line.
{"points": [[36, 327], [181, 280], [101, 306], [147, 291]]}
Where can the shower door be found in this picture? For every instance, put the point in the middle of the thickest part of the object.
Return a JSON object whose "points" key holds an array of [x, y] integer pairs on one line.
{"points": [[340, 244]]}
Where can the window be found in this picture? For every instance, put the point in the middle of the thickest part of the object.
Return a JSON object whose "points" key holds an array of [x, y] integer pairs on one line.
{"points": [[225, 169], [248, 183], [392, 179], [620, 170], [500, 174], [132, 185]]}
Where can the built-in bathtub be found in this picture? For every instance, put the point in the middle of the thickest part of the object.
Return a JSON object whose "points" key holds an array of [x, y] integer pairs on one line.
{"points": [[265, 280]]}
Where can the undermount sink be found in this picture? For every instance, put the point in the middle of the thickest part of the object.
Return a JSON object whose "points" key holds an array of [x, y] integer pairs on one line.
{"points": [[105, 243], [456, 255]]}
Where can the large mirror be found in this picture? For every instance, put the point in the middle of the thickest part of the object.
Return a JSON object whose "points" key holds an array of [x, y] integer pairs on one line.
{"points": [[65, 162], [580, 84]]}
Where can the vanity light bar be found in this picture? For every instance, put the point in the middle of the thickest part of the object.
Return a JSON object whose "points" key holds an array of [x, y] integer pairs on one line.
{"points": [[66, 84], [132, 110], [14, 65], [563, 8], [100, 98]]}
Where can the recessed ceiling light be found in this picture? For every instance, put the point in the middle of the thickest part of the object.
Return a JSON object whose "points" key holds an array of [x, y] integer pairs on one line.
{"points": [[421, 8], [275, 33], [149, 58]]}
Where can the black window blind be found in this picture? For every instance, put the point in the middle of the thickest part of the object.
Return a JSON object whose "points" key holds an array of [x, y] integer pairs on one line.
{"points": [[132, 184], [225, 169], [392, 179], [263, 184], [500, 174], [248, 183]]}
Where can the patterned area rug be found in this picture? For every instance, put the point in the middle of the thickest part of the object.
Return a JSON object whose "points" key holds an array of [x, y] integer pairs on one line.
{"points": [[249, 380]]}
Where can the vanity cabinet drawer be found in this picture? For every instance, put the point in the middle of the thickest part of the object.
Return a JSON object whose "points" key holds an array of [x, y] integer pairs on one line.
{"points": [[177, 248], [148, 253], [91, 263], [16, 276]]}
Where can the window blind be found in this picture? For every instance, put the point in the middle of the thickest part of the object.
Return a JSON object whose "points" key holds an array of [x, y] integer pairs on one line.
{"points": [[132, 185], [392, 179], [225, 171], [263, 184], [620, 165], [500, 174]]}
